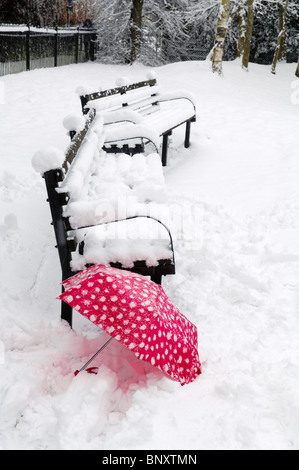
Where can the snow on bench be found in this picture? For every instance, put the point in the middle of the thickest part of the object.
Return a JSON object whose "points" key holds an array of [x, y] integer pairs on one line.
{"points": [[143, 103], [106, 209]]}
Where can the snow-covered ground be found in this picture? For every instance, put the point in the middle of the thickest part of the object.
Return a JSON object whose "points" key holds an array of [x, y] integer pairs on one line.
{"points": [[239, 285]]}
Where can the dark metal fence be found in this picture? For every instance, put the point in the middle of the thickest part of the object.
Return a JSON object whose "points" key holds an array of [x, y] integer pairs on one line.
{"points": [[23, 48]]}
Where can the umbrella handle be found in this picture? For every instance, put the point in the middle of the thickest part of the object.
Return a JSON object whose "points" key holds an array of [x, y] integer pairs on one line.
{"points": [[93, 357]]}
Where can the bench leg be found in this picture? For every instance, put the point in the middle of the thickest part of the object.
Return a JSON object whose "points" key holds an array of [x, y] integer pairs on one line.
{"points": [[66, 313], [157, 278], [187, 137], [66, 310], [164, 148]]}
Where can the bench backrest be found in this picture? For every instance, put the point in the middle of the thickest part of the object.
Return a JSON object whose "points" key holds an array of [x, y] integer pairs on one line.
{"points": [[58, 197], [77, 139], [142, 97]]}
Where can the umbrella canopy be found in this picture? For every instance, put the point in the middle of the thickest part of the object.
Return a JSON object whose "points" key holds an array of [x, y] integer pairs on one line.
{"points": [[138, 314]]}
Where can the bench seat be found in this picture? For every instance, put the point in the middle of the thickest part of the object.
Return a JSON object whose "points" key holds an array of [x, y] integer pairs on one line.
{"points": [[105, 208], [143, 104]]}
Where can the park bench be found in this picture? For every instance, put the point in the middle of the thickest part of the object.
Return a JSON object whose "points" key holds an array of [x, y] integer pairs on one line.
{"points": [[145, 104], [90, 193]]}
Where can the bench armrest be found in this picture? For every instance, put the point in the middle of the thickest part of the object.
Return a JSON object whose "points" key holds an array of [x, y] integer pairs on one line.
{"points": [[122, 115], [139, 216], [130, 132], [177, 95]]}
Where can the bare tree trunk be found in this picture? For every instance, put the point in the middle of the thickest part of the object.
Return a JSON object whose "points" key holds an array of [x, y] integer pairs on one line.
{"points": [[297, 70], [281, 36], [248, 35], [222, 27], [242, 30], [136, 29], [282, 25]]}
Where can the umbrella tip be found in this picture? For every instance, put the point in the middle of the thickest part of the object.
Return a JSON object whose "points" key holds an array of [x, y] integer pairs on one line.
{"points": [[91, 370]]}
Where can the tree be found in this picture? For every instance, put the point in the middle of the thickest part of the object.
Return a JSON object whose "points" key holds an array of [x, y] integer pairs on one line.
{"points": [[112, 22], [222, 28], [281, 35], [156, 32], [248, 34], [17, 12], [241, 28], [136, 30], [152, 31], [166, 36], [42, 13]]}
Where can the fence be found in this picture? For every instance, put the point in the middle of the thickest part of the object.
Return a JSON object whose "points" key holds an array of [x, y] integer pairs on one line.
{"points": [[25, 48]]}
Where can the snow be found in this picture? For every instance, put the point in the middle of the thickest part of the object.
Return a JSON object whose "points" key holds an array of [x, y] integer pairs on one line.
{"points": [[49, 158], [74, 122], [23, 28], [106, 187], [238, 283]]}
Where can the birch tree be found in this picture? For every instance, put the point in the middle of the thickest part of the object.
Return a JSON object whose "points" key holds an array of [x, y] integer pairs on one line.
{"points": [[281, 35], [248, 34], [241, 28], [222, 28]]}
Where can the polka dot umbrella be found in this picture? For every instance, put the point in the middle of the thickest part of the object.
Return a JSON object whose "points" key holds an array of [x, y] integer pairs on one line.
{"points": [[137, 313]]}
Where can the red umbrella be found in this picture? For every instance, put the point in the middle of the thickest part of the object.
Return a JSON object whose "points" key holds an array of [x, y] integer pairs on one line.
{"points": [[138, 314]]}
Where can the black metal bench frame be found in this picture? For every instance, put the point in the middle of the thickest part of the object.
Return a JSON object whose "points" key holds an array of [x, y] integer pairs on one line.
{"points": [[85, 99], [65, 233]]}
